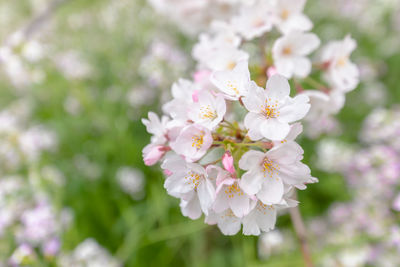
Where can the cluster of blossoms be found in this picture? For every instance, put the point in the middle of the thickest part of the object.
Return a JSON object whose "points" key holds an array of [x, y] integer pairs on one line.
{"points": [[228, 145], [372, 175]]}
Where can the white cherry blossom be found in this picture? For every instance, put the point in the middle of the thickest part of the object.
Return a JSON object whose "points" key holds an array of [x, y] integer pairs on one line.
{"points": [[253, 20], [271, 110], [233, 83], [224, 57], [290, 53], [341, 73], [288, 15], [182, 92], [193, 142], [230, 195], [324, 104], [207, 110], [268, 172], [156, 127], [187, 178]]}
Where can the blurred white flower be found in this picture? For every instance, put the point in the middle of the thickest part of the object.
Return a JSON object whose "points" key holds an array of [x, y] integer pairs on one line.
{"points": [[72, 105], [131, 181], [333, 155], [73, 65], [88, 254], [270, 243], [89, 169]]}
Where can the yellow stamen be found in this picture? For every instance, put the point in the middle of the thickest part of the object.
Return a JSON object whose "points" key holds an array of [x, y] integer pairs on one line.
{"points": [[269, 167], [287, 51], [233, 87], [198, 140], [231, 65], [232, 190], [193, 178], [285, 14], [270, 109], [207, 113], [261, 207], [342, 61]]}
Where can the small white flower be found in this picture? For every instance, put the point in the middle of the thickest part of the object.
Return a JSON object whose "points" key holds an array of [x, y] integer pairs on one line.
{"points": [[268, 172], [207, 110], [231, 196], [288, 15], [253, 20], [187, 178], [272, 110], [233, 83], [156, 127], [224, 57], [342, 74], [131, 181], [182, 92], [290, 51], [193, 142], [324, 104]]}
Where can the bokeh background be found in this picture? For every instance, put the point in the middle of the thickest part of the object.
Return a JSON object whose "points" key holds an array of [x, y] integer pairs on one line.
{"points": [[77, 76]]}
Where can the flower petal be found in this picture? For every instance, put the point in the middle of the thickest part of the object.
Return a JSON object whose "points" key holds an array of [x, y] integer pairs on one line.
{"points": [[271, 191], [251, 182], [206, 193], [250, 159], [274, 129], [278, 87], [295, 109]]}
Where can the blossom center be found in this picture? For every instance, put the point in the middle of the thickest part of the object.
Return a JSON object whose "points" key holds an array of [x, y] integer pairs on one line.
{"points": [[206, 112], [270, 109], [285, 14], [228, 214], [287, 51], [342, 61], [193, 178], [232, 190], [233, 87], [261, 207], [198, 140], [269, 167], [231, 65]]}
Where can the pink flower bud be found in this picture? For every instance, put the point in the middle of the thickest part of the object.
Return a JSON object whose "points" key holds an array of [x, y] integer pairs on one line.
{"points": [[227, 161], [153, 153], [271, 71], [195, 96]]}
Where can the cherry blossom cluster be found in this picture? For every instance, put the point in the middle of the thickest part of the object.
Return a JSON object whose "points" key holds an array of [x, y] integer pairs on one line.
{"points": [[227, 144]]}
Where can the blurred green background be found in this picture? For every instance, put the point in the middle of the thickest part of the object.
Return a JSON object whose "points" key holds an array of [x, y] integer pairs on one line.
{"points": [[97, 121]]}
